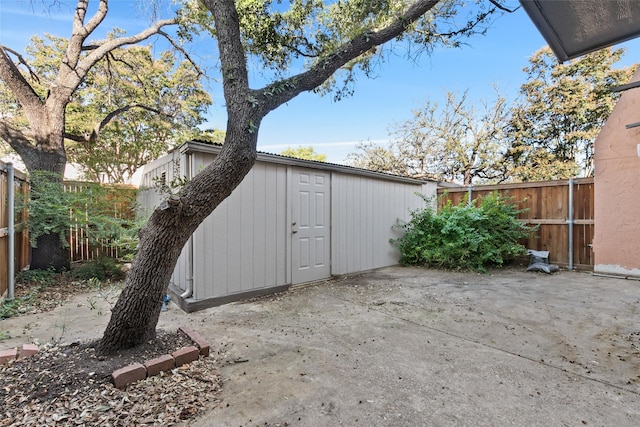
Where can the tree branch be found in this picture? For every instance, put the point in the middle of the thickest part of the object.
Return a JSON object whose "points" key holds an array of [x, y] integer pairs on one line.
{"points": [[180, 49], [278, 93], [501, 7], [80, 32], [112, 115], [97, 19], [22, 61], [74, 68], [93, 136], [19, 86], [18, 139], [235, 79], [107, 46], [76, 138]]}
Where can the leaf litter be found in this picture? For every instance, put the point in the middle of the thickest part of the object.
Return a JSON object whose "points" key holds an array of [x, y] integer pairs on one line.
{"points": [[70, 385]]}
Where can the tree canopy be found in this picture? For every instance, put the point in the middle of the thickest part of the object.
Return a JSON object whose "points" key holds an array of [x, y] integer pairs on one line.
{"points": [[548, 133], [34, 123], [454, 142], [561, 109], [129, 109], [304, 153]]}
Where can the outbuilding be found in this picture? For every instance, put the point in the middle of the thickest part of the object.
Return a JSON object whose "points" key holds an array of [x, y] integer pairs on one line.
{"points": [[289, 222]]}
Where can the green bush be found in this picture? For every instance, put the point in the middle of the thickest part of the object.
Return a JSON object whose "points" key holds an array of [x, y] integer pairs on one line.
{"points": [[102, 269], [10, 308], [37, 278], [89, 206], [465, 237]]}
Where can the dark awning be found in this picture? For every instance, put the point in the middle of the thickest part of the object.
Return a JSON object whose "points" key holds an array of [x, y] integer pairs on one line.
{"points": [[575, 27]]}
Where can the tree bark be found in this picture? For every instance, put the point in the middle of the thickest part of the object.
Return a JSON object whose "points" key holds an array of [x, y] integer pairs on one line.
{"points": [[49, 253], [135, 315], [50, 156]]}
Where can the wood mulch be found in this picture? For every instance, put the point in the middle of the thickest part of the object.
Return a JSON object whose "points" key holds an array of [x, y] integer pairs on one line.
{"points": [[70, 385]]}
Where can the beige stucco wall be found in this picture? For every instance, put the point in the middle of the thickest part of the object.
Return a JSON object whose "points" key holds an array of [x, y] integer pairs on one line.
{"points": [[617, 189]]}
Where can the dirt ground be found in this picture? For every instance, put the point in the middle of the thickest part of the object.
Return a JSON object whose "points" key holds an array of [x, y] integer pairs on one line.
{"points": [[409, 346]]}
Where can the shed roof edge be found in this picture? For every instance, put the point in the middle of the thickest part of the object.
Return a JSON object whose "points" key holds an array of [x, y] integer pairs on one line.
{"points": [[201, 147]]}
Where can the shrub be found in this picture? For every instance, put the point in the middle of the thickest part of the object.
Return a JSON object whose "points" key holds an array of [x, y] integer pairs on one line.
{"points": [[96, 209], [465, 237], [102, 269], [37, 278]]}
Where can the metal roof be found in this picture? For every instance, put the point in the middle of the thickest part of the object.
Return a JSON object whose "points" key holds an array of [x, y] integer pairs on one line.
{"points": [[575, 27], [214, 148]]}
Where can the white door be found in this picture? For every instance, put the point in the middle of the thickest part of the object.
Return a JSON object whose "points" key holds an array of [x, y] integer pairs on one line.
{"points": [[310, 228]]}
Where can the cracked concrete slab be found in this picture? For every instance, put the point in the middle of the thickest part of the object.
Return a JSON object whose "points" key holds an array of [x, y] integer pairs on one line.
{"points": [[405, 346]]}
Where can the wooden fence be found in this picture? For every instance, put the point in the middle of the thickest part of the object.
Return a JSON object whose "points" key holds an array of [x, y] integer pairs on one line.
{"points": [[119, 205], [119, 198], [547, 205], [22, 250]]}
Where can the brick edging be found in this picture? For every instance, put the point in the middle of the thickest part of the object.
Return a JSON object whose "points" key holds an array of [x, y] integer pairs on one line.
{"points": [[137, 371], [127, 375], [20, 352]]}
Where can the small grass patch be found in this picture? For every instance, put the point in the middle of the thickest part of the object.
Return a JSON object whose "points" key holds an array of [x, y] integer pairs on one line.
{"points": [[10, 308]]}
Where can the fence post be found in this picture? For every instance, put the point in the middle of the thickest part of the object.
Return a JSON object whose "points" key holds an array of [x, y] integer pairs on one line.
{"points": [[470, 195], [11, 228], [570, 224]]}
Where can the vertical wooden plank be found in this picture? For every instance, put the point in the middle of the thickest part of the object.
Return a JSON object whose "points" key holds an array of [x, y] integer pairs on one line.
{"points": [[341, 188], [234, 241], [335, 224], [348, 223], [359, 214], [246, 231], [270, 225], [387, 220], [4, 241], [375, 207], [219, 234], [345, 223], [282, 227], [259, 201]]}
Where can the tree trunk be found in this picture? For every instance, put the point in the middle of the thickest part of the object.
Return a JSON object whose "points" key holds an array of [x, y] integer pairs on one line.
{"points": [[136, 313], [49, 253], [48, 156]]}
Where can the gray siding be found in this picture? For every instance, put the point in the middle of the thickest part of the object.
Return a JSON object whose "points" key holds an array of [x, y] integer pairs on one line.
{"points": [[245, 245], [242, 245], [364, 211], [149, 197]]}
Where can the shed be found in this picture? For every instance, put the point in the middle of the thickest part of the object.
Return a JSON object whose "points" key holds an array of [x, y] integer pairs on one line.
{"points": [[289, 222]]}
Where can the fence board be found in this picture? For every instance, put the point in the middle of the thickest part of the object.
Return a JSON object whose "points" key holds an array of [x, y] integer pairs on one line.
{"points": [[547, 204], [80, 248], [4, 241], [21, 237]]}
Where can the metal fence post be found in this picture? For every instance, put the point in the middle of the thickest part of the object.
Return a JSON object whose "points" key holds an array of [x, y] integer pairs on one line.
{"points": [[11, 228], [570, 224]]}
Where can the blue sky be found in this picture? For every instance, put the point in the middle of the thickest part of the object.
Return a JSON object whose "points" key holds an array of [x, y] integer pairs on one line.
{"points": [[334, 128]]}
